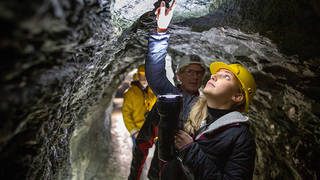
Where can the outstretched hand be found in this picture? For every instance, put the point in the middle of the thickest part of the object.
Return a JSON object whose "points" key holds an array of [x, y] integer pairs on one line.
{"points": [[164, 16]]}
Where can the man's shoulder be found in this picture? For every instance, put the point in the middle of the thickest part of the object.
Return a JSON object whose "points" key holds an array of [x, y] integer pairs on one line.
{"points": [[132, 90], [135, 83]]}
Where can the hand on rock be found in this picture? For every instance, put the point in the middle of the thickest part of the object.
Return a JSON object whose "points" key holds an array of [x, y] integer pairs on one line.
{"points": [[164, 16]]}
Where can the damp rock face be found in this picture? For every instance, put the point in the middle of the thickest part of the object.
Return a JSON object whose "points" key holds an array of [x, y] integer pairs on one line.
{"points": [[63, 60]]}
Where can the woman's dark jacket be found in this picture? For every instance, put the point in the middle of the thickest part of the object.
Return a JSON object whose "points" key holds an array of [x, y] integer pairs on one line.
{"points": [[223, 149]]}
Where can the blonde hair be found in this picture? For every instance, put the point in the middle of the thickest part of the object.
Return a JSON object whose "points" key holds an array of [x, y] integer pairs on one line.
{"points": [[197, 115]]}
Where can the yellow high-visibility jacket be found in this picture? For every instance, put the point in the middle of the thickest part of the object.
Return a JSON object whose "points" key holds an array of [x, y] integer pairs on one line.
{"points": [[136, 104]]}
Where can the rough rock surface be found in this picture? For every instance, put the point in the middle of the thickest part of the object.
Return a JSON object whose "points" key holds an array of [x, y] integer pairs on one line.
{"points": [[62, 61]]}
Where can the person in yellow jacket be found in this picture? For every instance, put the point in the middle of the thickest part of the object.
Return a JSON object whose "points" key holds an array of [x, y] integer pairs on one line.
{"points": [[138, 100]]}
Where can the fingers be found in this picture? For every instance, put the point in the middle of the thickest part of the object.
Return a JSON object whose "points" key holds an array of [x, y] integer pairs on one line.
{"points": [[171, 9], [157, 13], [162, 11], [173, 5], [178, 136], [176, 143], [180, 133], [177, 140], [162, 8]]}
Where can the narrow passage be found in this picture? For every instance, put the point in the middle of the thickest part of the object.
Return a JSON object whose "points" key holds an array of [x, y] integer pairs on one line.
{"points": [[120, 161]]}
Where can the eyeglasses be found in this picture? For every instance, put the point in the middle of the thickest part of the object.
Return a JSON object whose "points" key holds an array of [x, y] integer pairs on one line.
{"points": [[190, 72]]}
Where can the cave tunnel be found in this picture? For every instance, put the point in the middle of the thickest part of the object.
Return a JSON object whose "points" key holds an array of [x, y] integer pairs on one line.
{"points": [[63, 61]]}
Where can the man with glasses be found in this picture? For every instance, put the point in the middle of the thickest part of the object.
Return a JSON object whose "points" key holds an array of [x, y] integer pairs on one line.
{"points": [[190, 72]]}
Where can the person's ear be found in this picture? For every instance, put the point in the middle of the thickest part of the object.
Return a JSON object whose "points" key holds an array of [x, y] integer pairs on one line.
{"points": [[237, 97]]}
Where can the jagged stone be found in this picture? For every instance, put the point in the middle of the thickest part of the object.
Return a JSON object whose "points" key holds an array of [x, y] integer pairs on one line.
{"points": [[63, 61]]}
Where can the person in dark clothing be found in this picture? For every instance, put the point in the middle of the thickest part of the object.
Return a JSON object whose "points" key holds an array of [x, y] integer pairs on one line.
{"points": [[190, 72]]}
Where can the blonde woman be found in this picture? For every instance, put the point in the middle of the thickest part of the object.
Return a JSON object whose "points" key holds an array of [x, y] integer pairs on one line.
{"points": [[216, 142]]}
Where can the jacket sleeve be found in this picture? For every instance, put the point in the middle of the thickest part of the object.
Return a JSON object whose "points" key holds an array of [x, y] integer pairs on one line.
{"points": [[127, 113], [239, 164], [155, 65]]}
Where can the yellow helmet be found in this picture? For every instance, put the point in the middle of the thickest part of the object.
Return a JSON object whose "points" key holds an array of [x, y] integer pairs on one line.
{"points": [[244, 76], [141, 69]]}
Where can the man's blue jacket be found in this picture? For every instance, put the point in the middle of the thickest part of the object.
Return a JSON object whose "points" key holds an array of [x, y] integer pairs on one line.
{"points": [[159, 83], [156, 73]]}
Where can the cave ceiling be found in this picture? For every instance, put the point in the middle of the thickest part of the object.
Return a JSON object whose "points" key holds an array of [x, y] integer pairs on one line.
{"points": [[64, 59]]}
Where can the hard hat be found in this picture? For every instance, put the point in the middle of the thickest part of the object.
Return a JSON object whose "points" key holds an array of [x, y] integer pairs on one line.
{"points": [[141, 69], [244, 76], [187, 60]]}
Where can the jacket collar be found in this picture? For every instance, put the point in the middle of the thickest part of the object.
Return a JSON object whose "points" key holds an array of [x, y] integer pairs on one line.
{"points": [[137, 83], [230, 118]]}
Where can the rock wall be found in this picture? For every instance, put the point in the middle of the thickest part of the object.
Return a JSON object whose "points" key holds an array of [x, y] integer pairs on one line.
{"points": [[63, 60]]}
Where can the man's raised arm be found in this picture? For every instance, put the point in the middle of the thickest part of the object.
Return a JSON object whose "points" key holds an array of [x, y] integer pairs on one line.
{"points": [[157, 51]]}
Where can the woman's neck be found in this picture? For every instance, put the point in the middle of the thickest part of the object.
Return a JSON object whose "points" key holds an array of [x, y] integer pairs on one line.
{"points": [[217, 105], [215, 114]]}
